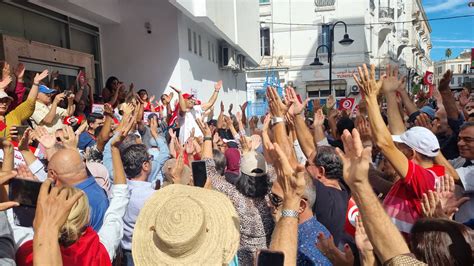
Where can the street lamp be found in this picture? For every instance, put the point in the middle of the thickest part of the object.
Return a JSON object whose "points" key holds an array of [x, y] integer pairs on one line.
{"points": [[345, 41]]}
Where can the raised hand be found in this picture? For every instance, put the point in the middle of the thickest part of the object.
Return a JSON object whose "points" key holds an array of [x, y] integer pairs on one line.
{"points": [[364, 129], [329, 249], [422, 120], [128, 124], [206, 131], [331, 102], [444, 82], [243, 107], [177, 171], [6, 70], [40, 76], [392, 82], [231, 106], [355, 158], [4, 82], [128, 108], [53, 206], [69, 139], [44, 137], [25, 173], [218, 85], [108, 109], [276, 106], [20, 71], [362, 240], [449, 203], [464, 97], [366, 81], [296, 107], [4, 178], [244, 144], [222, 107], [175, 89], [59, 97], [25, 140], [318, 119]]}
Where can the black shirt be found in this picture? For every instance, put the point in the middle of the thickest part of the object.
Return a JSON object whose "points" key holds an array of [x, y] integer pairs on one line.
{"points": [[330, 208]]}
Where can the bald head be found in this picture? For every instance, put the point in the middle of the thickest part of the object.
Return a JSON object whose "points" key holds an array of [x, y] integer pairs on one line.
{"points": [[67, 167]]}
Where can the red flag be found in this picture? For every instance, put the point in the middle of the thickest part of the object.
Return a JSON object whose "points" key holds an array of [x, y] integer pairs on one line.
{"points": [[346, 104]]}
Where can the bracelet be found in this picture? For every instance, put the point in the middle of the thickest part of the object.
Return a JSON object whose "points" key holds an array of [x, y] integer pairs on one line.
{"points": [[207, 138], [290, 213], [276, 120], [36, 84], [216, 91]]}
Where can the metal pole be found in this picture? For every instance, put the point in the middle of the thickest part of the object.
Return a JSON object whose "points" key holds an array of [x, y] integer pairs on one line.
{"points": [[331, 39]]}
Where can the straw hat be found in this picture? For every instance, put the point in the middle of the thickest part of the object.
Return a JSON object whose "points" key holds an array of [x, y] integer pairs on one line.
{"points": [[185, 225]]}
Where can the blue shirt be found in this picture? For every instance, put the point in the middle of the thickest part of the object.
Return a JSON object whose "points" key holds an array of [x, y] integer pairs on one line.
{"points": [[308, 253], [140, 192], [98, 201], [85, 140], [160, 155]]}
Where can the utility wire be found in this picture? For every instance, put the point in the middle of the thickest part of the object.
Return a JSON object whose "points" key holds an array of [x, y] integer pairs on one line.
{"points": [[369, 24]]}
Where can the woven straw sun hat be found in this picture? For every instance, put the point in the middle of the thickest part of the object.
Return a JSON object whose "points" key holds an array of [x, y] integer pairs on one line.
{"points": [[185, 225]]}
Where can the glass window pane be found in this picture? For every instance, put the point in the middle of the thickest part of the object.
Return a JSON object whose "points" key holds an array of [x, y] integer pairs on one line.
{"points": [[42, 29], [83, 42], [11, 20]]}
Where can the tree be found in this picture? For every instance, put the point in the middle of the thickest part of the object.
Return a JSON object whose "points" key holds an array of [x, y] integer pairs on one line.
{"points": [[448, 53]]}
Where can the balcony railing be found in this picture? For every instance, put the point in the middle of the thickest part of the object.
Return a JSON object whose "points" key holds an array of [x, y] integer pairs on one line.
{"points": [[386, 13]]}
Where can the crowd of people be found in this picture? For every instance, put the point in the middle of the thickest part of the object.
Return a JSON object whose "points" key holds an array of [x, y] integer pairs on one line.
{"points": [[389, 184]]}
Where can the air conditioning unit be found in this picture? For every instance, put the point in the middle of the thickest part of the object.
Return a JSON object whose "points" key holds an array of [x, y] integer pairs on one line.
{"points": [[355, 89], [227, 57]]}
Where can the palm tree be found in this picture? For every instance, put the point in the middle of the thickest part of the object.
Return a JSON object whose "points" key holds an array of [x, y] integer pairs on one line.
{"points": [[448, 53]]}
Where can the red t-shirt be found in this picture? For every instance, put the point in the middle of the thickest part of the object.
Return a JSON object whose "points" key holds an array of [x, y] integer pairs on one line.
{"points": [[87, 250], [403, 201]]}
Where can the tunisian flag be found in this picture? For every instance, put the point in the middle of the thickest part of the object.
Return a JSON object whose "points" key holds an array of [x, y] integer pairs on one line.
{"points": [[428, 81]]}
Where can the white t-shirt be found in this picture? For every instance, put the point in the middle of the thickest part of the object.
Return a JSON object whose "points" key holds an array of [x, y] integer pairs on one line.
{"points": [[188, 122]]}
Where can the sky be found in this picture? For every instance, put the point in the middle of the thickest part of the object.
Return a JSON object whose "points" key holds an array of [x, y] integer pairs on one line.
{"points": [[457, 34]]}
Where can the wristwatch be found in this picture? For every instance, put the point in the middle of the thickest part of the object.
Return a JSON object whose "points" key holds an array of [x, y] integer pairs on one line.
{"points": [[276, 120], [290, 213], [207, 138]]}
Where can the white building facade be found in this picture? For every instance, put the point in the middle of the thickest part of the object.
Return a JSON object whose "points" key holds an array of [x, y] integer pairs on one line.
{"points": [[460, 66], [384, 31], [154, 44]]}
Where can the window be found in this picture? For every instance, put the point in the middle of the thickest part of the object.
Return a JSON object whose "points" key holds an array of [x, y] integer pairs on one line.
{"points": [[213, 57], [190, 43], [466, 69], [264, 1], [324, 39], [459, 68], [452, 68], [452, 81], [195, 42], [264, 41], [440, 70], [199, 42], [459, 80], [209, 50]]}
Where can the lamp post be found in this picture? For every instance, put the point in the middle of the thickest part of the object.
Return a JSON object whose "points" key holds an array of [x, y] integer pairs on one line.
{"points": [[345, 41]]}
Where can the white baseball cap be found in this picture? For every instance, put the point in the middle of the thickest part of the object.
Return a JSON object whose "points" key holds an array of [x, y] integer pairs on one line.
{"points": [[420, 139], [3, 94]]}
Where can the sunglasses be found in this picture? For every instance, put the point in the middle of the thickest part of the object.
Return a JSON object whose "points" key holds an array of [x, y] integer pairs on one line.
{"points": [[275, 200]]}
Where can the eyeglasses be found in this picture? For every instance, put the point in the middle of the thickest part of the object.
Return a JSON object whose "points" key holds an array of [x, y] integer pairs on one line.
{"points": [[275, 200], [150, 158]]}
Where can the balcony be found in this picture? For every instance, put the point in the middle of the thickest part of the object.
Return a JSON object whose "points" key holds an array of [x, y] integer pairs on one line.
{"points": [[386, 14], [404, 36]]}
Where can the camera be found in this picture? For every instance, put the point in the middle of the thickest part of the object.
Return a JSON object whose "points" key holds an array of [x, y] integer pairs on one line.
{"points": [[67, 93]]}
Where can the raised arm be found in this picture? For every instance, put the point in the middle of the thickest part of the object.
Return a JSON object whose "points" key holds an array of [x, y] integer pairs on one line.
{"points": [[384, 236], [302, 131], [285, 234], [382, 137], [37, 79], [448, 98], [389, 88], [182, 102], [104, 134], [213, 98]]}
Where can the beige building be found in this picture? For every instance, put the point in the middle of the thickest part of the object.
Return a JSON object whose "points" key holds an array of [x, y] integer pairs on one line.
{"points": [[463, 75]]}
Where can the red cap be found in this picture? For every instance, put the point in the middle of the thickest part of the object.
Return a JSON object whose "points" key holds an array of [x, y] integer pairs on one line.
{"points": [[187, 96]]}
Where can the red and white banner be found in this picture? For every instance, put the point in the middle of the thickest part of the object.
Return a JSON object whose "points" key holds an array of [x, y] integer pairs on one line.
{"points": [[346, 104], [351, 214]]}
